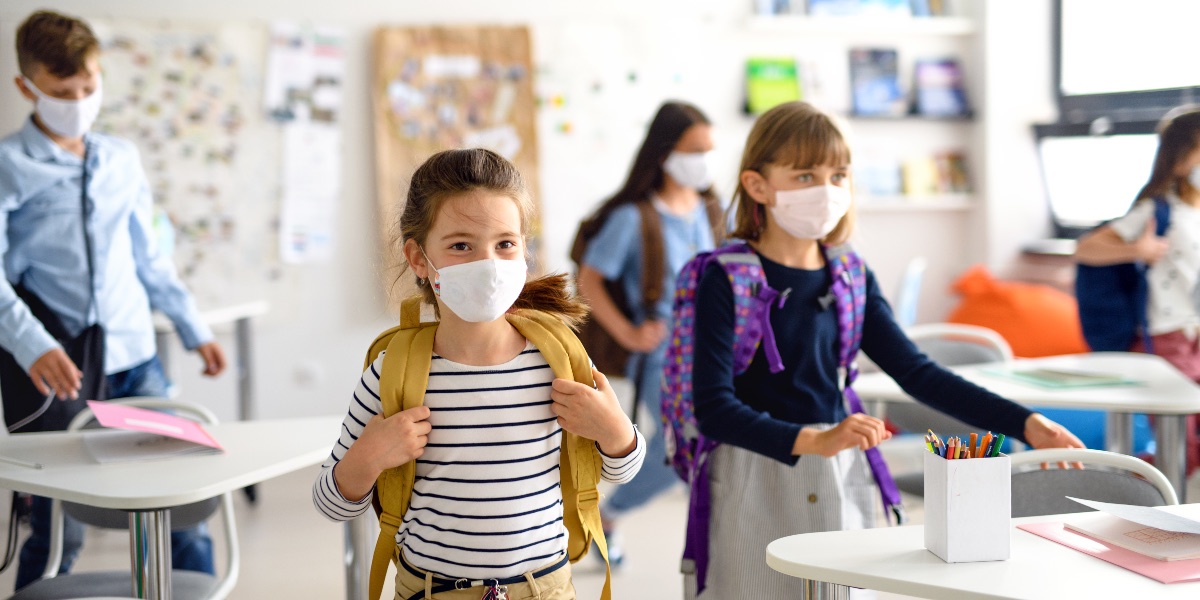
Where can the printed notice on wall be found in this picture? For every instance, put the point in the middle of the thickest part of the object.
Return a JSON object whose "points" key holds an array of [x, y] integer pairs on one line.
{"points": [[303, 92]]}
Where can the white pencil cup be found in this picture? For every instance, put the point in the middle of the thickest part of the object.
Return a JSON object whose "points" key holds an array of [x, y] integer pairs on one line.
{"points": [[968, 508]]}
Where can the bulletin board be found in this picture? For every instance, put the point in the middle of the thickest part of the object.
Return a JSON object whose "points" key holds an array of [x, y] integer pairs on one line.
{"points": [[439, 88], [188, 95]]}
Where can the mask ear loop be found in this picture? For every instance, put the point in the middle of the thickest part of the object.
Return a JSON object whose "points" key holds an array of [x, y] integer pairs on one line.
{"points": [[421, 281]]}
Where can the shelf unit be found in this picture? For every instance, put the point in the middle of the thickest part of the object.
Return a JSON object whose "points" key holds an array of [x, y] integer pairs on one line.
{"points": [[874, 26], [893, 229]]}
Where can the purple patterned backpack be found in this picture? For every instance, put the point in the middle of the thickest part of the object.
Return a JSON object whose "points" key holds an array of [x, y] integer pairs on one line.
{"points": [[687, 449]]}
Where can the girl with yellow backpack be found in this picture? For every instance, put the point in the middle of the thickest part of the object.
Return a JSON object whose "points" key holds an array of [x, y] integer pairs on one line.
{"points": [[481, 436]]}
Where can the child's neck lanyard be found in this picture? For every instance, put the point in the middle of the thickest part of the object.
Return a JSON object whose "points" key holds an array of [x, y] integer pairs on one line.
{"points": [[87, 237]]}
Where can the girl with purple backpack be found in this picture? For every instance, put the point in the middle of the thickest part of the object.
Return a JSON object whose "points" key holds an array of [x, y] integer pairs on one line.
{"points": [[791, 459]]}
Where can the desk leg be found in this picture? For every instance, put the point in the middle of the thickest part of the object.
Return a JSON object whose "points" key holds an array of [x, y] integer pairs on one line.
{"points": [[811, 589], [150, 531], [1119, 432], [245, 370], [360, 533], [1170, 437], [245, 383]]}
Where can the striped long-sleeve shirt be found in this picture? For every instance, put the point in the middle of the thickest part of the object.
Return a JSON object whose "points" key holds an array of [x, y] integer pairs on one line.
{"points": [[486, 502]]}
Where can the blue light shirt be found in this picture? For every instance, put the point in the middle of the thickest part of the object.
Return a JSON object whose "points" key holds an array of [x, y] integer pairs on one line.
{"points": [[43, 249], [616, 252]]}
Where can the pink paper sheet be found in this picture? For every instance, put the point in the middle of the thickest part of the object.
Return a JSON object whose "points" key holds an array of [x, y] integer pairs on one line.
{"points": [[1173, 571], [149, 421]]}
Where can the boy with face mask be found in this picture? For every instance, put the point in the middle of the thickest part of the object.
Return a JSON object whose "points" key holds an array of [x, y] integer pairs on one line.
{"points": [[82, 269]]}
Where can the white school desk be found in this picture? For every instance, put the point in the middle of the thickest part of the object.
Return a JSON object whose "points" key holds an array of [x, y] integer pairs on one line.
{"points": [[894, 559], [254, 451], [1165, 393], [238, 314]]}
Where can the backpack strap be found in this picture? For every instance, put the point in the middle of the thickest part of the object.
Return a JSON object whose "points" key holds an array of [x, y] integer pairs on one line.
{"points": [[1162, 222], [849, 288], [653, 255], [580, 460], [753, 299], [409, 354], [406, 365]]}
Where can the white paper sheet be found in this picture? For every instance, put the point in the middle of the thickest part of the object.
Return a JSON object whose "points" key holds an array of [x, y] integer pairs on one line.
{"points": [[119, 446], [1149, 516]]}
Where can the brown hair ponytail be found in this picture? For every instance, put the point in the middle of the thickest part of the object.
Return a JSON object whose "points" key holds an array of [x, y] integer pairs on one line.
{"points": [[455, 172]]}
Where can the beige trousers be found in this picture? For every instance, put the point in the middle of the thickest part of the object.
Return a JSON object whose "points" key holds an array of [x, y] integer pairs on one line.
{"points": [[555, 586]]}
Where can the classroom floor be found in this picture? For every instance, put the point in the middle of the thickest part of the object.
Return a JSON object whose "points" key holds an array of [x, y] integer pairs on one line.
{"points": [[288, 551]]}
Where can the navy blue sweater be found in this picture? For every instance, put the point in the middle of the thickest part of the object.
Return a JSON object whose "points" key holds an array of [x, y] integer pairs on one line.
{"points": [[764, 412]]}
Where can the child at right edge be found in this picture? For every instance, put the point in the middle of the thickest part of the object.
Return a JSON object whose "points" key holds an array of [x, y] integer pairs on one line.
{"points": [[1173, 258], [791, 460]]}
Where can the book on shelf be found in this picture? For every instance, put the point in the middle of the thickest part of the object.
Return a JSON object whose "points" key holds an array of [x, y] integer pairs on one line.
{"points": [[1159, 544], [860, 8], [951, 172], [941, 173], [777, 7], [770, 81], [928, 8], [875, 84], [938, 88]]}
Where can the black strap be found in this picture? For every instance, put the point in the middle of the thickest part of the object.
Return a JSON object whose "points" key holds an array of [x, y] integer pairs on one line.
{"points": [[87, 236], [443, 584]]}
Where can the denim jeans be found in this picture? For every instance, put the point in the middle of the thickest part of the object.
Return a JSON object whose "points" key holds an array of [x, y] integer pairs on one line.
{"points": [[191, 549], [655, 476]]}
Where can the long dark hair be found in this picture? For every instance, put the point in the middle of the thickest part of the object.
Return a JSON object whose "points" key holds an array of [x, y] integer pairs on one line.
{"points": [[1178, 134], [456, 172], [672, 120]]}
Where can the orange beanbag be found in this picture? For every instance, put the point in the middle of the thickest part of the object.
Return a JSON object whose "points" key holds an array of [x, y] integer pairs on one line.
{"points": [[1036, 320]]}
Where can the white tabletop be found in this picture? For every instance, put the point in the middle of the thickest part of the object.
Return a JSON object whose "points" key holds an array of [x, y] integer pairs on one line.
{"points": [[1164, 390], [254, 451], [894, 559], [219, 315]]}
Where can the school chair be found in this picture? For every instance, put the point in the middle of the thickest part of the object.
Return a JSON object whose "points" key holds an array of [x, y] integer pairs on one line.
{"points": [[948, 344], [1106, 477], [185, 585], [908, 296]]}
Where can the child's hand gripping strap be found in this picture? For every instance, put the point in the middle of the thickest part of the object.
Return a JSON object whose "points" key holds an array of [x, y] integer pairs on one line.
{"points": [[580, 461], [402, 383]]}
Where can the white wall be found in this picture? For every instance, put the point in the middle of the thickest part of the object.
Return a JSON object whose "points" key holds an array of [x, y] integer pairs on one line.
{"points": [[308, 356]]}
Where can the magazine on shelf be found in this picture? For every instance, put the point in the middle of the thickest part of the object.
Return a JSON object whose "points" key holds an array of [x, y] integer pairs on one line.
{"points": [[875, 83], [771, 81], [938, 88]]}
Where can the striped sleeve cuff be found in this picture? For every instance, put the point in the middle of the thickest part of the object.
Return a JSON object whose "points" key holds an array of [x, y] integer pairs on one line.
{"points": [[621, 469], [330, 502]]}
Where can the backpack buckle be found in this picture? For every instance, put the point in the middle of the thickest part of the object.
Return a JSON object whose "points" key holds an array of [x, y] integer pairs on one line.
{"points": [[587, 499]]}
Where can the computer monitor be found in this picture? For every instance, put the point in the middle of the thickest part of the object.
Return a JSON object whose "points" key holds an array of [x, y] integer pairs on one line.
{"points": [[1090, 179], [1122, 60]]}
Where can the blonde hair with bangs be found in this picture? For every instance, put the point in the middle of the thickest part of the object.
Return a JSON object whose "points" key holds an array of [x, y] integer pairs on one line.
{"points": [[798, 135]]}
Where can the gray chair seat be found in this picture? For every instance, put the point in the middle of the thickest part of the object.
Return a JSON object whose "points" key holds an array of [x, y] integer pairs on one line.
{"points": [[1036, 493], [118, 584]]}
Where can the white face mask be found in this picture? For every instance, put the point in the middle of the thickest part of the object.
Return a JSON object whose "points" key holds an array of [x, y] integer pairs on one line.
{"points": [[1194, 177], [811, 213], [68, 118], [479, 291], [689, 169]]}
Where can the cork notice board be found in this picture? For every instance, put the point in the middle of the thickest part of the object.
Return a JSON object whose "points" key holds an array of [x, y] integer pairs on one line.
{"points": [[438, 88]]}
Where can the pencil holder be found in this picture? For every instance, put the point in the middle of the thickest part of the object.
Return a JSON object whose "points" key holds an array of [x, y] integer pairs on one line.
{"points": [[968, 508]]}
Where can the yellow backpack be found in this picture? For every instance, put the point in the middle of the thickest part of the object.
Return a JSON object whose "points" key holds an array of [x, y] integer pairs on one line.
{"points": [[402, 385]]}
